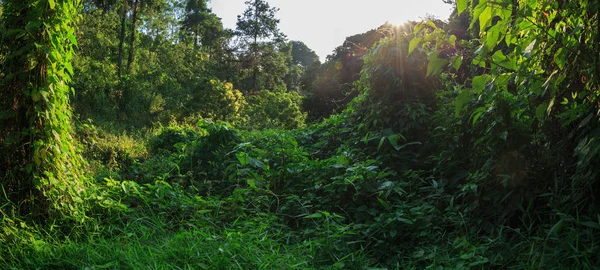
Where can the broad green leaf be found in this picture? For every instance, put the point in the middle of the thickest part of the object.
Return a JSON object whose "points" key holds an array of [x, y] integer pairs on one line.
{"points": [[560, 57], [540, 111], [73, 39], [413, 44], [52, 4], [591, 224], [452, 40], [393, 139], [461, 5], [457, 61], [484, 19], [435, 64], [492, 37], [498, 57], [251, 183], [479, 82], [69, 68], [256, 163], [432, 24], [33, 24], [463, 98]]}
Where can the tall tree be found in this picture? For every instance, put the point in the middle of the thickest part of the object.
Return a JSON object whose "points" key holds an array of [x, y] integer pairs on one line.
{"points": [[203, 26], [258, 24], [195, 14], [302, 54], [124, 10], [136, 5], [38, 163]]}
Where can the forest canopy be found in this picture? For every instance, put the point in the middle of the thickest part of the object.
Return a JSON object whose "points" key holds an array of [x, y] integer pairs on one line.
{"points": [[141, 134]]}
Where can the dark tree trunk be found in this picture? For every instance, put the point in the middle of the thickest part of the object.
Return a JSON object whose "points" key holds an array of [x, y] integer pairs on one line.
{"points": [[122, 39], [133, 35]]}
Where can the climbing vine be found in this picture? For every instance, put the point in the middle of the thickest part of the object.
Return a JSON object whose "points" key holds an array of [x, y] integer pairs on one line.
{"points": [[40, 163]]}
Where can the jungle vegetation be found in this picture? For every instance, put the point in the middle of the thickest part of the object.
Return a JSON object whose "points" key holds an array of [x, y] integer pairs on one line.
{"points": [[142, 134]]}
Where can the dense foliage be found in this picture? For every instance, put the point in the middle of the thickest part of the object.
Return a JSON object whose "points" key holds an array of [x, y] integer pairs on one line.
{"points": [[466, 143]]}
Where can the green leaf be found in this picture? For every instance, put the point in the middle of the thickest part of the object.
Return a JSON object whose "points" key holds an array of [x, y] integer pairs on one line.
{"points": [[69, 68], [457, 62], [33, 24], [452, 40], [463, 98], [560, 57], [315, 215], [435, 64], [492, 38], [406, 221], [384, 203], [73, 39], [52, 4], [251, 183], [461, 5], [484, 18], [413, 44], [432, 24], [380, 143], [478, 113], [540, 111], [479, 82], [256, 163], [498, 57], [591, 224]]}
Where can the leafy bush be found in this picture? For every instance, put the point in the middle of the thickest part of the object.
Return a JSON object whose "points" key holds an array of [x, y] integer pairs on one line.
{"points": [[216, 100], [274, 109]]}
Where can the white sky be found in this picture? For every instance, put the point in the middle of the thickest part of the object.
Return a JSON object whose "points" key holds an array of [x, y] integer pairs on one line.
{"points": [[324, 24]]}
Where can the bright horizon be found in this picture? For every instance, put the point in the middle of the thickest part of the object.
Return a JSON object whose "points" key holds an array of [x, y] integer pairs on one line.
{"points": [[324, 24]]}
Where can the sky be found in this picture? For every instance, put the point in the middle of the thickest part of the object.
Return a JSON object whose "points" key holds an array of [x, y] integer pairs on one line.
{"points": [[324, 24]]}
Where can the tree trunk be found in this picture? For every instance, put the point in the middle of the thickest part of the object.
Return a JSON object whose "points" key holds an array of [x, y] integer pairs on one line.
{"points": [[39, 166], [122, 39], [133, 34]]}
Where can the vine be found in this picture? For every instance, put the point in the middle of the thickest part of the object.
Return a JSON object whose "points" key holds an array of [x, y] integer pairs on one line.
{"points": [[43, 167]]}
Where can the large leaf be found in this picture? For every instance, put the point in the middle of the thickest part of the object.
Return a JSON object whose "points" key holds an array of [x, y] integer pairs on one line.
{"points": [[479, 82], [484, 18], [560, 57], [413, 44], [435, 64], [463, 98], [461, 5]]}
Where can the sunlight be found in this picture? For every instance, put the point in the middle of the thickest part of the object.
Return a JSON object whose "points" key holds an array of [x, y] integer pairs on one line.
{"points": [[323, 25]]}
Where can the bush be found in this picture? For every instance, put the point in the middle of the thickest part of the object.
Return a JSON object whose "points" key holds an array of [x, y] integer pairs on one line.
{"points": [[274, 109]]}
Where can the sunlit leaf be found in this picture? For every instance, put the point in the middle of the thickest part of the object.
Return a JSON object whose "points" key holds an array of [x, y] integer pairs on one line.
{"points": [[452, 40], [484, 18], [413, 44], [461, 5], [457, 62]]}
